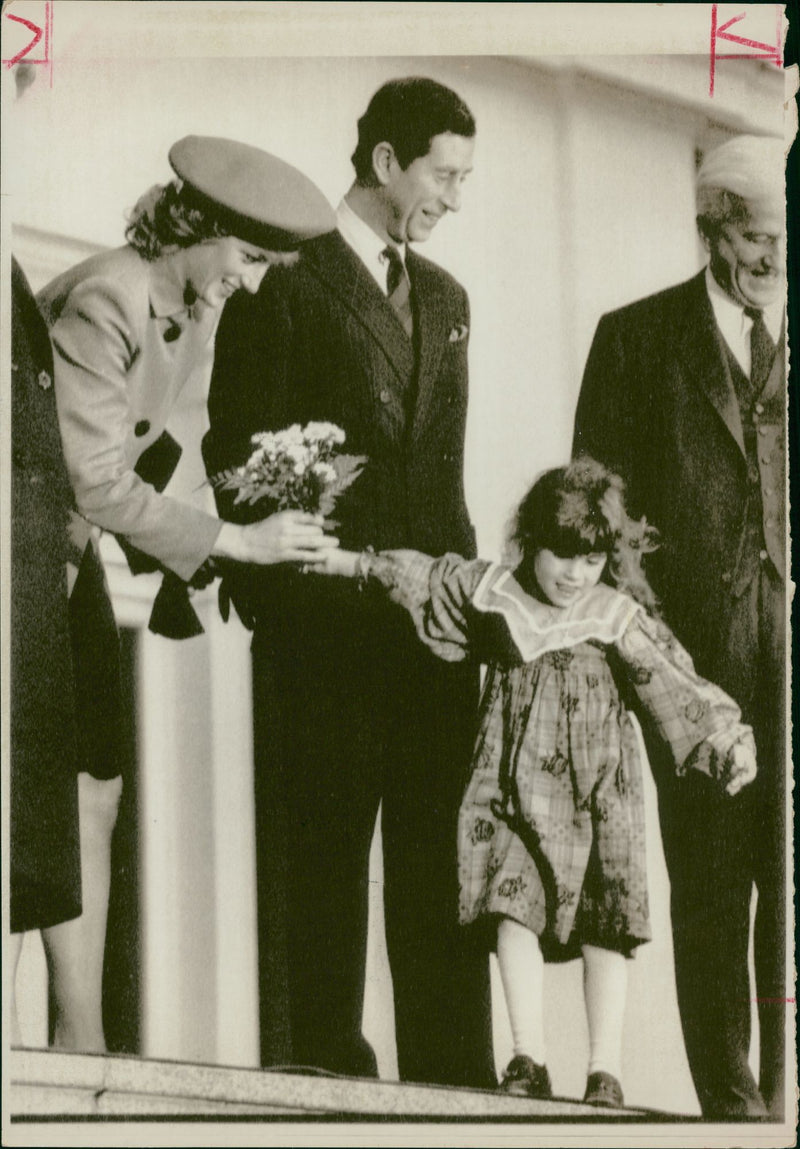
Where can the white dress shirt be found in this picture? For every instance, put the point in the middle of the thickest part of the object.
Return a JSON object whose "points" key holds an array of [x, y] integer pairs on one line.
{"points": [[366, 243], [735, 325]]}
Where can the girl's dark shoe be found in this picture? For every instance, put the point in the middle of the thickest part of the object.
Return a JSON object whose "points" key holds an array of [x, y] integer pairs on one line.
{"points": [[603, 1089], [524, 1078]]}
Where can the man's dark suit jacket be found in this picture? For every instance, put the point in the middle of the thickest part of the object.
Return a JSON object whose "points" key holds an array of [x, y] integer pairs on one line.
{"points": [[321, 342], [658, 406], [350, 362]]}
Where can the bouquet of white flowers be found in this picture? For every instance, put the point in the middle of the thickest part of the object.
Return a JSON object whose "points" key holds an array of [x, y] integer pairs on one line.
{"points": [[299, 468]]}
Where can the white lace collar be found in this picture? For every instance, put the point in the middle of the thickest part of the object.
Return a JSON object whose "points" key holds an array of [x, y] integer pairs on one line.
{"points": [[536, 628]]}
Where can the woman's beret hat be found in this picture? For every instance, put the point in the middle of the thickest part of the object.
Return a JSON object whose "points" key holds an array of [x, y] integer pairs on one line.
{"points": [[253, 195]]}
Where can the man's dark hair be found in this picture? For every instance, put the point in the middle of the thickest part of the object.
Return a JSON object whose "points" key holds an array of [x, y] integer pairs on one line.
{"points": [[408, 113]]}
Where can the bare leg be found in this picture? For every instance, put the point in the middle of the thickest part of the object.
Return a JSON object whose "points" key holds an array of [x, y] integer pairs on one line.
{"points": [[14, 950], [75, 949]]}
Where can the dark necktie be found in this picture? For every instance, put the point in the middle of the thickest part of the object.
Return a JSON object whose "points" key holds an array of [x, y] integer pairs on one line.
{"points": [[398, 288], [762, 350]]}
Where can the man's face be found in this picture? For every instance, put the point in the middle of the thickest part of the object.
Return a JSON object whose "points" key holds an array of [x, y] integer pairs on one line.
{"points": [[747, 256], [430, 186]]}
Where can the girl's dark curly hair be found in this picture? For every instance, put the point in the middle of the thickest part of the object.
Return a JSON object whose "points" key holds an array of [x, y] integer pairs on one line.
{"points": [[579, 509], [165, 217]]}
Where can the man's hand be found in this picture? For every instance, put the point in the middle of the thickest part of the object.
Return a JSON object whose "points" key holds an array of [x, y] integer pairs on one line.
{"points": [[740, 768]]}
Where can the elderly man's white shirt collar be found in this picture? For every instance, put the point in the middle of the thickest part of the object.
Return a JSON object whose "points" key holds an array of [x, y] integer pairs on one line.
{"points": [[735, 325], [366, 243]]}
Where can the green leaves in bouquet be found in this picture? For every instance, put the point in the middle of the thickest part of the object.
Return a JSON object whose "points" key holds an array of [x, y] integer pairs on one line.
{"points": [[348, 468], [313, 491], [298, 468]]}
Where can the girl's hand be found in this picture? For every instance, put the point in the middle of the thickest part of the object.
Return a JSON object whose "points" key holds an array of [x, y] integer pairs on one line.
{"points": [[741, 768], [287, 536], [339, 562]]}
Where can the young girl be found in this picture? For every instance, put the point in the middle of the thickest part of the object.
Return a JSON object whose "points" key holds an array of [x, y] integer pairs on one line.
{"points": [[551, 829]]}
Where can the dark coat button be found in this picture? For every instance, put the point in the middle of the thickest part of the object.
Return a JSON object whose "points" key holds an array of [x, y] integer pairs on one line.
{"points": [[141, 428], [172, 332]]}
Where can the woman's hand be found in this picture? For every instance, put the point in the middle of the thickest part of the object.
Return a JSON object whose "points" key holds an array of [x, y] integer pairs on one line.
{"points": [[287, 536], [740, 768]]}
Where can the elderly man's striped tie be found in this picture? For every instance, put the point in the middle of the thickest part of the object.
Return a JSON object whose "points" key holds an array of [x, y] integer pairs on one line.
{"points": [[762, 350]]}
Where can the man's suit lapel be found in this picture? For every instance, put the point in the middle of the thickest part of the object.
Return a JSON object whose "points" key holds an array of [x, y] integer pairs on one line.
{"points": [[701, 352], [340, 268], [429, 330]]}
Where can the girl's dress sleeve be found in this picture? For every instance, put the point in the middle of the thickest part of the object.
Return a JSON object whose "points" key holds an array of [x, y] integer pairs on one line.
{"points": [[437, 594], [699, 722]]}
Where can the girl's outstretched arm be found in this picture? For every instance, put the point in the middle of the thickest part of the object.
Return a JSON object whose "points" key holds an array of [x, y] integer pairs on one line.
{"points": [[435, 592], [701, 723], [462, 606]]}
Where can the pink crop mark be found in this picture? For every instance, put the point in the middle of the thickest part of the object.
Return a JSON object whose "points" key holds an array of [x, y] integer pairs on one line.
{"points": [[762, 51], [42, 33]]}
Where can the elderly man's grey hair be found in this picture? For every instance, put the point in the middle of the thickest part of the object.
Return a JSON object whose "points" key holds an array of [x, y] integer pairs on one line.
{"points": [[741, 173]]}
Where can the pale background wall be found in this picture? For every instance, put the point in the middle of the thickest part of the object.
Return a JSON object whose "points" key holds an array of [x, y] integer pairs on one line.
{"points": [[581, 200]]}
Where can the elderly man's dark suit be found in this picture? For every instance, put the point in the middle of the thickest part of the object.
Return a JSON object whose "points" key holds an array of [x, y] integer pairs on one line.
{"points": [[350, 710], [665, 404]]}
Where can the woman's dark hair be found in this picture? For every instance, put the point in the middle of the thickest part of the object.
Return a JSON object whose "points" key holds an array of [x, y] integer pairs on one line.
{"points": [[165, 216], [408, 113], [580, 509]]}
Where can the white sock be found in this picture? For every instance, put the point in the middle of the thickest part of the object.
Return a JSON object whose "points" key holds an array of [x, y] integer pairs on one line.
{"points": [[522, 972], [605, 982]]}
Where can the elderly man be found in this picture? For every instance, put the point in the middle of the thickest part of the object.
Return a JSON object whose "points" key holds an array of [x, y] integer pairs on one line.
{"points": [[684, 395], [350, 710]]}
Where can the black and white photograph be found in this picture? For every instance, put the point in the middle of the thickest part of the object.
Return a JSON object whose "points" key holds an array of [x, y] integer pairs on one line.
{"points": [[396, 573]]}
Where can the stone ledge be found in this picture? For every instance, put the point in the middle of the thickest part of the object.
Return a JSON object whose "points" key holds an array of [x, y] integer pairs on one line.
{"points": [[47, 1084]]}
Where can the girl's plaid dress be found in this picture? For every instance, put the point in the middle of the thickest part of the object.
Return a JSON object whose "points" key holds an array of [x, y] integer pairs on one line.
{"points": [[551, 828]]}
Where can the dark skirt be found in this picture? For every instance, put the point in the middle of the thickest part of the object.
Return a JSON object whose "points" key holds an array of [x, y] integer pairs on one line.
{"points": [[96, 666]]}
